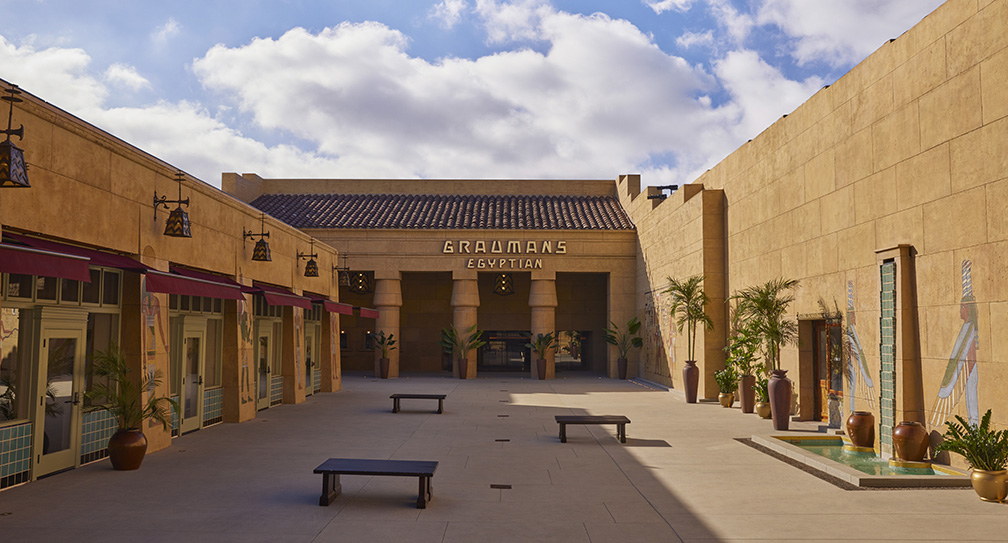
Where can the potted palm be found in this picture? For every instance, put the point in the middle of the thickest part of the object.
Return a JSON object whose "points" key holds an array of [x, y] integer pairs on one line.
{"points": [[541, 345], [764, 307], [762, 397], [117, 392], [985, 450], [741, 354], [688, 301], [727, 381], [460, 343], [624, 341], [384, 344]]}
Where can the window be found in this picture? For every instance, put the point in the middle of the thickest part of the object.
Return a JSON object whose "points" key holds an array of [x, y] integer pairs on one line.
{"points": [[213, 352], [15, 363], [102, 333]]}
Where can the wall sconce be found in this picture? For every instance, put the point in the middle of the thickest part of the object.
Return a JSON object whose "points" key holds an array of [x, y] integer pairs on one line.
{"points": [[13, 170], [661, 192], [261, 251], [311, 268], [360, 283], [343, 272], [177, 225], [503, 284]]}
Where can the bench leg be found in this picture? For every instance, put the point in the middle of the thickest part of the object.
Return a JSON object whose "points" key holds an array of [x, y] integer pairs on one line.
{"points": [[395, 405], [563, 432], [425, 493], [331, 488], [440, 406], [621, 432]]}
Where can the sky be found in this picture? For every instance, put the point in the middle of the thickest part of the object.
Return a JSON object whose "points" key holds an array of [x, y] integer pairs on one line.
{"points": [[481, 89]]}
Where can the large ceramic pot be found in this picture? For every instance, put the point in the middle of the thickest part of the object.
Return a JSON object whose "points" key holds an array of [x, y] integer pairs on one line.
{"points": [[383, 366], [910, 439], [127, 448], [991, 486], [541, 368], [621, 366], [746, 394], [780, 399], [726, 399], [861, 429], [763, 409], [691, 380], [463, 368]]}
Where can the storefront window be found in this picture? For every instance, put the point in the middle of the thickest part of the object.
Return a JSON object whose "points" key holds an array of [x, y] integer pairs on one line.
{"points": [[92, 291], [110, 288], [45, 288], [70, 291], [213, 352], [15, 363], [102, 333], [19, 286]]}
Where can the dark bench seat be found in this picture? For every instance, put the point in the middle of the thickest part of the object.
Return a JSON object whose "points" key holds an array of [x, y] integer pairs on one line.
{"points": [[439, 397], [334, 467], [619, 420]]}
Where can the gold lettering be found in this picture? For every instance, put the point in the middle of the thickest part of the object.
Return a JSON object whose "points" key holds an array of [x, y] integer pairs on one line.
{"points": [[491, 262], [502, 262], [561, 247], [547, 247], [514, 247], [538, 263], [528, 263], [448, 247], [480, 247], [511, 260], [495, 247], [464, 247], [530, 247], [469, 264], [481, 263]]}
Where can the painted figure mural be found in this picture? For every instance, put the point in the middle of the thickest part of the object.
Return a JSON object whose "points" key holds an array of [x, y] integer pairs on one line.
{"points": [[243, 352], [298, 336], [859, 379], [961, 373]]}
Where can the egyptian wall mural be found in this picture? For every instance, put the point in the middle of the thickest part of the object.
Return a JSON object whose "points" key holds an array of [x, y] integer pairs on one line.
{"points": [[245, 380], [298, 338], [659, 335], [961, 375], [859, 381]]}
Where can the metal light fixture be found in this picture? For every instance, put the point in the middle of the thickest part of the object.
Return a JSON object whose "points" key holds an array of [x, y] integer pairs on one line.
{"points": [[311, 268], [261, 251], [503, 284], [661, 191], [360, 283], [177, 225], [13, 170], [343, 271]]}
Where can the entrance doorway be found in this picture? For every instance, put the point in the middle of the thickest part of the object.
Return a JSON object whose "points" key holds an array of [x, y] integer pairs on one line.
{"points": [[505, 350], [264, 356], [828, 372], [61, 384], [191, 391]]}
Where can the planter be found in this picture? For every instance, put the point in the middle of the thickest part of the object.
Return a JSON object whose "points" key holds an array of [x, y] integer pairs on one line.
{"points": [[127, 448], [910, 440], [861, 429], [746, 394], [763, 409], [691, 380], [726, 399], [383, 366], [541, 369], [621, 365], [463, 366], [991, 486], [780, 399]]}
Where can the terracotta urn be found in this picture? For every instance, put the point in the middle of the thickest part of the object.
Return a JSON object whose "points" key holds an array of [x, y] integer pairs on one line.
{"points": [[779, 388], [383, 366], [127, 448], [541, 369], [910, 439], [991, 486], [746, 394], [691, 380], [861, 429], [463, 367], [621, 367], [726, 399]]}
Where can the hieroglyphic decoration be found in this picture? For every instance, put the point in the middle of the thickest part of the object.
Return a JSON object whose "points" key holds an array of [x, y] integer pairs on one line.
{"points": [[961, 374], [245, 323], [859, 380], [333, 345], [659, 334], [668, 330], [298, 336]]}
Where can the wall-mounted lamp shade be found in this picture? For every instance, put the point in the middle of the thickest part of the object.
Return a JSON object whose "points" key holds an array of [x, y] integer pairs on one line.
{"points": [[311, 268], [360, 283], [177, 225], [503, 284], [344, 278], [13, 171], [261, 251]]}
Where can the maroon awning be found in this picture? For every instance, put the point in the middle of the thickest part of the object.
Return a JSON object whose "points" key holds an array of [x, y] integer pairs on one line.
{"points": [[368, 313], [333, 307], [171, 283], [280, 296], [206, 276], [98, 258], [28, 261]]}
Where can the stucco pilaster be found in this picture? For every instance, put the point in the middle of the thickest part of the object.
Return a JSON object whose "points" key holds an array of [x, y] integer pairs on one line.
{"points": [[542, 304], [388, 300], [465, 302]]}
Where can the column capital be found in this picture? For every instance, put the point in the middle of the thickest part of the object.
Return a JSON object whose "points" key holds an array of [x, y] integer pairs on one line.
{"points": [[543, 293], [388, 293], [465, 293]]}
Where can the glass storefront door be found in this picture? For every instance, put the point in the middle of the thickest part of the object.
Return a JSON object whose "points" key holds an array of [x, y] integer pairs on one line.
{"points": [[264, 356], [309, 352], [191, 397], [58, 420]]}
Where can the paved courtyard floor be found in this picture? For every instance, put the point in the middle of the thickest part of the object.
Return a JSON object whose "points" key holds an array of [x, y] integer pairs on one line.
{"points": [[681, 476]]}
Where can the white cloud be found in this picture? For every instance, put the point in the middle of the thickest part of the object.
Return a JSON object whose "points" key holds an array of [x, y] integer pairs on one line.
{"points": [[517, 20], [661, 6], [165, 32], [690, 39], [842, 33], [126, 76], [448, 13], [736, 25], [58, 75]]}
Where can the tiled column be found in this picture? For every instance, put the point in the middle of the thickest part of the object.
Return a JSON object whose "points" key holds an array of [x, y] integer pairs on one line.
{"points": [[388, 300], [465, 302], [542, 303]]}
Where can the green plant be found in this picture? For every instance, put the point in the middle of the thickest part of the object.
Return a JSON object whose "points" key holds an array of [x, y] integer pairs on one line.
{"points": [[121, 395], [762, 392], [727, 380], [688, 304], [742, 348], [384, 343], [624, 340], [461, 343], [982, 447], [764, 307], [542, 344]]}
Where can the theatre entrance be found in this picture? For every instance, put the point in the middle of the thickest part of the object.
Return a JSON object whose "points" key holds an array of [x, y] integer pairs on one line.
{"points": [[505, 350]]}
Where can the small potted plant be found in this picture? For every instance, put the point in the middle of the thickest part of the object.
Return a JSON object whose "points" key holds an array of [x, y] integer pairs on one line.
{"points": [[762, 397], [541, 345], [741, 354], [985, 450], [460, 343], [384, 344], [116, 392], [624, 341], [727, 381], [688, 301]]}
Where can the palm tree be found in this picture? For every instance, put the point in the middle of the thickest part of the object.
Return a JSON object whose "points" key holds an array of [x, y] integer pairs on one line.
{"points": [[688, 304], [765, 307]]}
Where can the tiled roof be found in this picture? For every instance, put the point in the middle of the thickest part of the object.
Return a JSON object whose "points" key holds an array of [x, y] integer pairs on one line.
{"points": [[438, 211]]}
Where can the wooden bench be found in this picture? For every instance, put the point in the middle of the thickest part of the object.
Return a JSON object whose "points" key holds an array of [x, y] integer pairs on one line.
{"points": [[334, 467], [619, 420], [439, 397]]}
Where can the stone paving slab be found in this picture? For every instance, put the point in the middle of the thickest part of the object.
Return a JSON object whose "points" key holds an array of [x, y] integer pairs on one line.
{"points": [[681, 476]]}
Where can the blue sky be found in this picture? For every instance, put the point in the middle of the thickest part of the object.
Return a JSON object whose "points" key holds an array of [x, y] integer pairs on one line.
{"points": [[439, 88]]}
